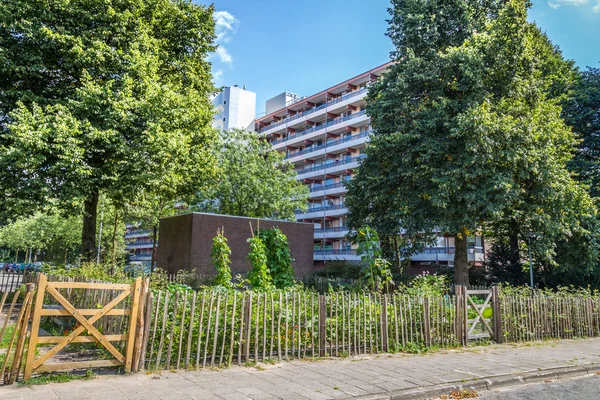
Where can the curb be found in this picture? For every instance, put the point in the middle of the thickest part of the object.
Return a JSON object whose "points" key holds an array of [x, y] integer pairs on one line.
{"points": [[489, 383]]}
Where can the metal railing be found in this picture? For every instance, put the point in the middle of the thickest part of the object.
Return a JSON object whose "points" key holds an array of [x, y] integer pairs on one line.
{"points": [[137, 233], [328, 144], [325, 187], [321, 208], [316, 128], [330, 165], [312, 110], [342, 252], [332, 229]]}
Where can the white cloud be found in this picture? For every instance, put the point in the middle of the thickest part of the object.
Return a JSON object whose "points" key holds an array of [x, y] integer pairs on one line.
{"points": [[596, 8], [553, 5], [224, 55], [226, 25]]}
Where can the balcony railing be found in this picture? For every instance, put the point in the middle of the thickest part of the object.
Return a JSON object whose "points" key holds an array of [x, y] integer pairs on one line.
{"points": [[330, 165], [312, 110], [141, 258], [325, 187], [343, 252], [332, 229], [131, 234], [322, 208], [450, 250], [329, 144], [316, 128]]}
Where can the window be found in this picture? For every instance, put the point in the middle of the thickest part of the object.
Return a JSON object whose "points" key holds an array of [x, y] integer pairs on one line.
{"points": [[224, 102], [223, 119]]}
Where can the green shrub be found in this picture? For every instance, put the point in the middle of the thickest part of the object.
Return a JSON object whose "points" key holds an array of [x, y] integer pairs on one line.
{"points": [[220, 259], [279, 260], [258, 276]]}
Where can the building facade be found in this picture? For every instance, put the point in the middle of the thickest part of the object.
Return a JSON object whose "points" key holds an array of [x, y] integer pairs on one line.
{"points": [[235, 108], [324, 137], [138, 243]]}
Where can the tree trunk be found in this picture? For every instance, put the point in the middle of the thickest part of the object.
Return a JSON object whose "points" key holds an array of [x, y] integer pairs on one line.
{"points": [[16, 256], [88, 233], [461, 259], [26, 255], [35, 257], [114, 244], [154, 235]]}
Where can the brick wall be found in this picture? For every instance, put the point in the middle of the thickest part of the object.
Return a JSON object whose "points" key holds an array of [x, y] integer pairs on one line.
{"points": [[185, 242]]}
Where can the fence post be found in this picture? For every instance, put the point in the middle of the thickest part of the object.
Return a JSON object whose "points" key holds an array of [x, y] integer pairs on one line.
{"points": [[322, 325], [384, 324], [35, 326], [246, 323], [426, 321], [497, 314]]}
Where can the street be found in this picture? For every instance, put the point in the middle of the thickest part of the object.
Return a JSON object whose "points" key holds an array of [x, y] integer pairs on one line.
{"points": [[582, 388]]}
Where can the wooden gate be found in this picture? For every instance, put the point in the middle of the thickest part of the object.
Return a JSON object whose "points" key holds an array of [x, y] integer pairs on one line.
{"points": [[86, 318], [476, 324]]}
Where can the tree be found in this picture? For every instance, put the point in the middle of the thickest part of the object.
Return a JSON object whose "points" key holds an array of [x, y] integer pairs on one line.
{"points": [[465, 129], [101, 97], [254, 180], [582, 113], [279, 260], [220, 259], [54, 237]]}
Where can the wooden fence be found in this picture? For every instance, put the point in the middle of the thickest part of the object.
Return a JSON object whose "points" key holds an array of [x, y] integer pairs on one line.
{"points": [[220, 328], [541, 317], [10, 282]]}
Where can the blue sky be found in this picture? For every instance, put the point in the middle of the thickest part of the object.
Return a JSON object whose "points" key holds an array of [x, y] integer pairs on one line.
{"points": [[305, 46]]}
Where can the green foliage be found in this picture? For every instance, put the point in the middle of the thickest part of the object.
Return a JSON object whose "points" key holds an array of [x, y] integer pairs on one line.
{"points": [[340, 269], [57, 238], [254, 180], [220, 259], [469, 129], [376, 270], [279, 261], [582, 112], [259, 276], [101, 111], [426, 285], [45, 379]]}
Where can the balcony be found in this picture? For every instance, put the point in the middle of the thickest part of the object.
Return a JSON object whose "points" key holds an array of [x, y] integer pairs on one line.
{"points": [[142, 258], [331, 144], [333, 189], [343, 254], [324, 211], [436, 254], [318, 128], [136, 234], [332, 167], [144, 244], [313, 110], [331, 233]]}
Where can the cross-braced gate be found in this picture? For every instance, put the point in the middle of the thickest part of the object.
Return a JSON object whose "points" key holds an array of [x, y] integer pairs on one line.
{"points": [[85, 324]]}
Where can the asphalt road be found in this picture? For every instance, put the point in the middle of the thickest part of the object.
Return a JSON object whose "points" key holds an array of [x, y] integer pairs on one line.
{"points": [[582, 388]]}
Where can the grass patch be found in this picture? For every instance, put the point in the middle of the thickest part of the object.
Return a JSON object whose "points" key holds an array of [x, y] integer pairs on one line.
{"points": [[58, 378], [7, 335]]}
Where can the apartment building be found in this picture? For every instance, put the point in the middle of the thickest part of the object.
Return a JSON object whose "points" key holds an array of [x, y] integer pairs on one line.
{"points": [[138, 243], [235, 108], [324, 136]]}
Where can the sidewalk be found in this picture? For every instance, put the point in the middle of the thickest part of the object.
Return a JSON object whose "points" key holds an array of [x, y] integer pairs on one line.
{"points": [[372, 377]]}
